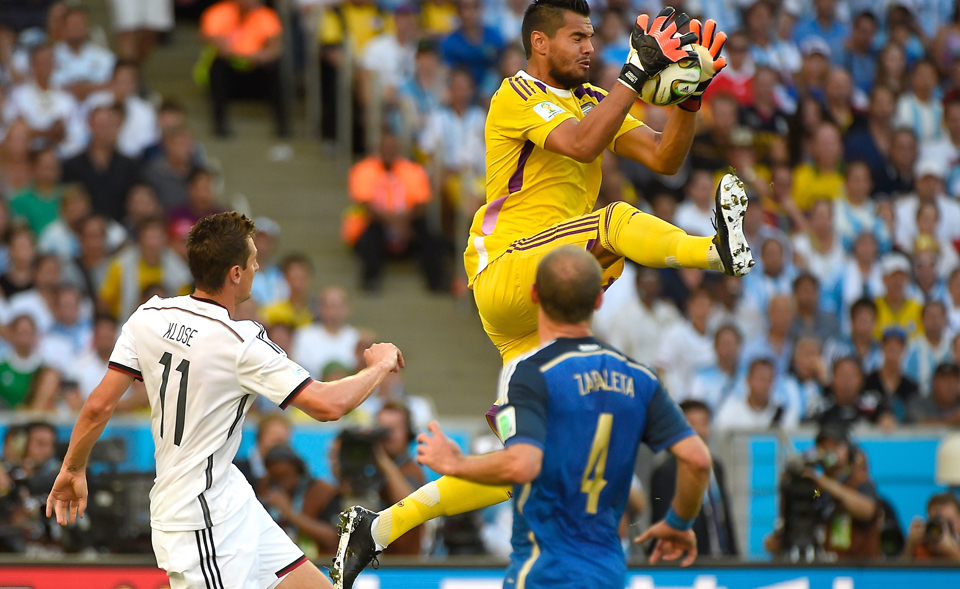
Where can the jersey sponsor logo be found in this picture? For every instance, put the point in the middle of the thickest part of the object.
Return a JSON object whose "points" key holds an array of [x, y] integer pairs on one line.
{"points": [[603, 380], [507, 423], [547, 110], [180, 333]]}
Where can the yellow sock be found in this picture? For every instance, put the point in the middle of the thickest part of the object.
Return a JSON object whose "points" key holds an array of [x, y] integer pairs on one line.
{"points": [[445, 496], [652, 242]]}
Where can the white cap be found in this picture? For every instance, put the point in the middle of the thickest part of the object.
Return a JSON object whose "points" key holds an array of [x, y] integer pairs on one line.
{"points": [[815, 44], [268, 226], [894, 262], [930, 166]]}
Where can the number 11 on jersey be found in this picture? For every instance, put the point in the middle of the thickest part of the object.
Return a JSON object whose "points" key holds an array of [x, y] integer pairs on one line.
{"points": [[597, 463], [184, 369]]}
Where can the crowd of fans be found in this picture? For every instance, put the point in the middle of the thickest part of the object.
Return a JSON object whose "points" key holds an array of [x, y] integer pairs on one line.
{"points": [[842, 118]]}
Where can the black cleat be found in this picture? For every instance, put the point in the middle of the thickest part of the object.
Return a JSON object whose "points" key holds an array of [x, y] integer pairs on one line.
{"points": [[731, 243], [357, 548]]}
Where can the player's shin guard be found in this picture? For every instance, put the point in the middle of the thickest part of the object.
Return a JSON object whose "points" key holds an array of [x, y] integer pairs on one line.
{"points": [[652, 242], [445, 496]]}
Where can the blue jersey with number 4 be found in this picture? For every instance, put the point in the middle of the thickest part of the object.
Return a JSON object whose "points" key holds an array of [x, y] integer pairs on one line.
{"points": [[587, 407]]}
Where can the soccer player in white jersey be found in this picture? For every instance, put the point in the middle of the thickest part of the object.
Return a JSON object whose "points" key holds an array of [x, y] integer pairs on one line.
{"points": [[201, 370]]}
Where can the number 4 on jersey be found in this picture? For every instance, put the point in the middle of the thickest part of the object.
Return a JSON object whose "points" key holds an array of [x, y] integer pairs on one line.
{"points": [[184, 369], [597, 463]]}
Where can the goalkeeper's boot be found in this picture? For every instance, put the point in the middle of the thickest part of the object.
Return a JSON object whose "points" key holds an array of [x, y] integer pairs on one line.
{"points": [[357, 548], [731, 243]]}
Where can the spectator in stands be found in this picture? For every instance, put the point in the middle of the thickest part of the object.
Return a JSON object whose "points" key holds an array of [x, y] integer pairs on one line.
{"points": [[862, 343], [816, 246], [920, 109], [636, 324], [809, 84], [947, 150], [79, 66], [62, 237], [273, 430], [937, 537], [142, 204], [776, 344], [395, 463], [712, 385], [295, 311], [297, 501], [802, 385], [393, 192], [848, 506], [890, 385], [695, 213], [390, 58], [765, 115], [282, 335], [138, 25], [687, 345], [87, 370], [927, 351], [201, 202], [107, 174], [861, 276], [932, 259], [860, 52], [40, 461], [840, 101], [756, 410], [779, 55], [894, 308], [22, 254], [508, 19], [736, 78], [135, 269], [269, 284], [139, 129], [16, 172], [820, 179], [474, 45], [24, 381], [46, 109], [453, 138], [856, 212], [88, 269], [730, 307], [423, 92], [40, 300], [873, 143], [930, 174], [942, 407], [845, 401], [39, 203], [71, 333], [714, 527], [247, 39], [331, 339], [825, 25], [901, 163], [775, 279], [811, 319]]}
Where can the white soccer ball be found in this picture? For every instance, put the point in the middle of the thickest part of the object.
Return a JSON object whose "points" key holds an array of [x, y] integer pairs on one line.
{"points": [[674, 84]]}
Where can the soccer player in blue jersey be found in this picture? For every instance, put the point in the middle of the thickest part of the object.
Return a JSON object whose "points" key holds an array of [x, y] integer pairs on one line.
{"points": [[573, 413]]}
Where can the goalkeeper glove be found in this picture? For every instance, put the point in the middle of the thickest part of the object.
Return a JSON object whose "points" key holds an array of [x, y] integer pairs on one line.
{"points": [[709, 44], [654, 46]]}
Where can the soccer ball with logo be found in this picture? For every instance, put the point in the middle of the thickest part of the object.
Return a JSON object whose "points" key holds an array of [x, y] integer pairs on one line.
{"points": [[674, 84]]}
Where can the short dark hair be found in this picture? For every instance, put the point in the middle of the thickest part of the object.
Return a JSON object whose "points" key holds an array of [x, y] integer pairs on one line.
{"points": [[125, 64], [695, 405], [198, 172], [945, 498], [761, 361], [568, 284], [296, 258], [216, 244], [547, 17], [847, 360], [725, 328], [862, 305], [104, 317], [805, 277], [38, 425]]}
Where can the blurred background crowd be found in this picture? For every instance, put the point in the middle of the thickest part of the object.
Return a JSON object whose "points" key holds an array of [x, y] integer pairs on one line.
{"points": [[841, 116]]}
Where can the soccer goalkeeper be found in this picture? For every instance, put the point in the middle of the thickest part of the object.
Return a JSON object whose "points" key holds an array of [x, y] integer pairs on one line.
{"points": [[545, 134]]}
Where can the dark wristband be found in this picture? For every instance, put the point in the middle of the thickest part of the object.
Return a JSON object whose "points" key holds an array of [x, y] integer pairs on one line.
{"points": [[633, 77], [691, 104], [676, 522]]}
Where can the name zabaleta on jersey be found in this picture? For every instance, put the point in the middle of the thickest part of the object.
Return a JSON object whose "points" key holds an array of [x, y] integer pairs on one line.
{"points": [[603, 380]]}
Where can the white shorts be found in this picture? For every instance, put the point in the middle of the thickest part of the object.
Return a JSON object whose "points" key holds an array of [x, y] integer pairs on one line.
{"points": [[130, 15], [248, 551]]}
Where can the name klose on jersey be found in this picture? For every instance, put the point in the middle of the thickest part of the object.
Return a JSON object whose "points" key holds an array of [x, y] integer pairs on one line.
{"points": [[602, 380], [180, 333]]}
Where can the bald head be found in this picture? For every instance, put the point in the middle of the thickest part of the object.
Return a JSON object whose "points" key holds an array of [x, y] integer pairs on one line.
{"points": [[568, 284]]}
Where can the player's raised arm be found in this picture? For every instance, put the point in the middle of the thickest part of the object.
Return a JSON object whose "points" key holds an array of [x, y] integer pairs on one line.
{"points": [[69, 495], [652, 48], [329, 401]]}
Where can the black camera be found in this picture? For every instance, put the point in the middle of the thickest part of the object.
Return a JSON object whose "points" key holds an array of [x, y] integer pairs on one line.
{"points": [[802, 539], [935, 530], [358, 464]]}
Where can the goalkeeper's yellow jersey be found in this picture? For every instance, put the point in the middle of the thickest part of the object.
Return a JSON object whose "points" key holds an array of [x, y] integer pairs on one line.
{"points": [[529, 188]]}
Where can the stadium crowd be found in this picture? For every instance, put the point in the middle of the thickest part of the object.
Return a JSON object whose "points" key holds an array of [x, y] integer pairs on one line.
{"points": [[842, 117]]}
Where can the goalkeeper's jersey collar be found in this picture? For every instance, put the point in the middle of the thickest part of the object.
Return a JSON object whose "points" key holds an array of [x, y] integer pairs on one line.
{"points": [[558, 91]]}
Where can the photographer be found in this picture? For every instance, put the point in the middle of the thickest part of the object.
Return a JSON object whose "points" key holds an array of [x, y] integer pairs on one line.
{"points": [[939, 536], [843, 507]]}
